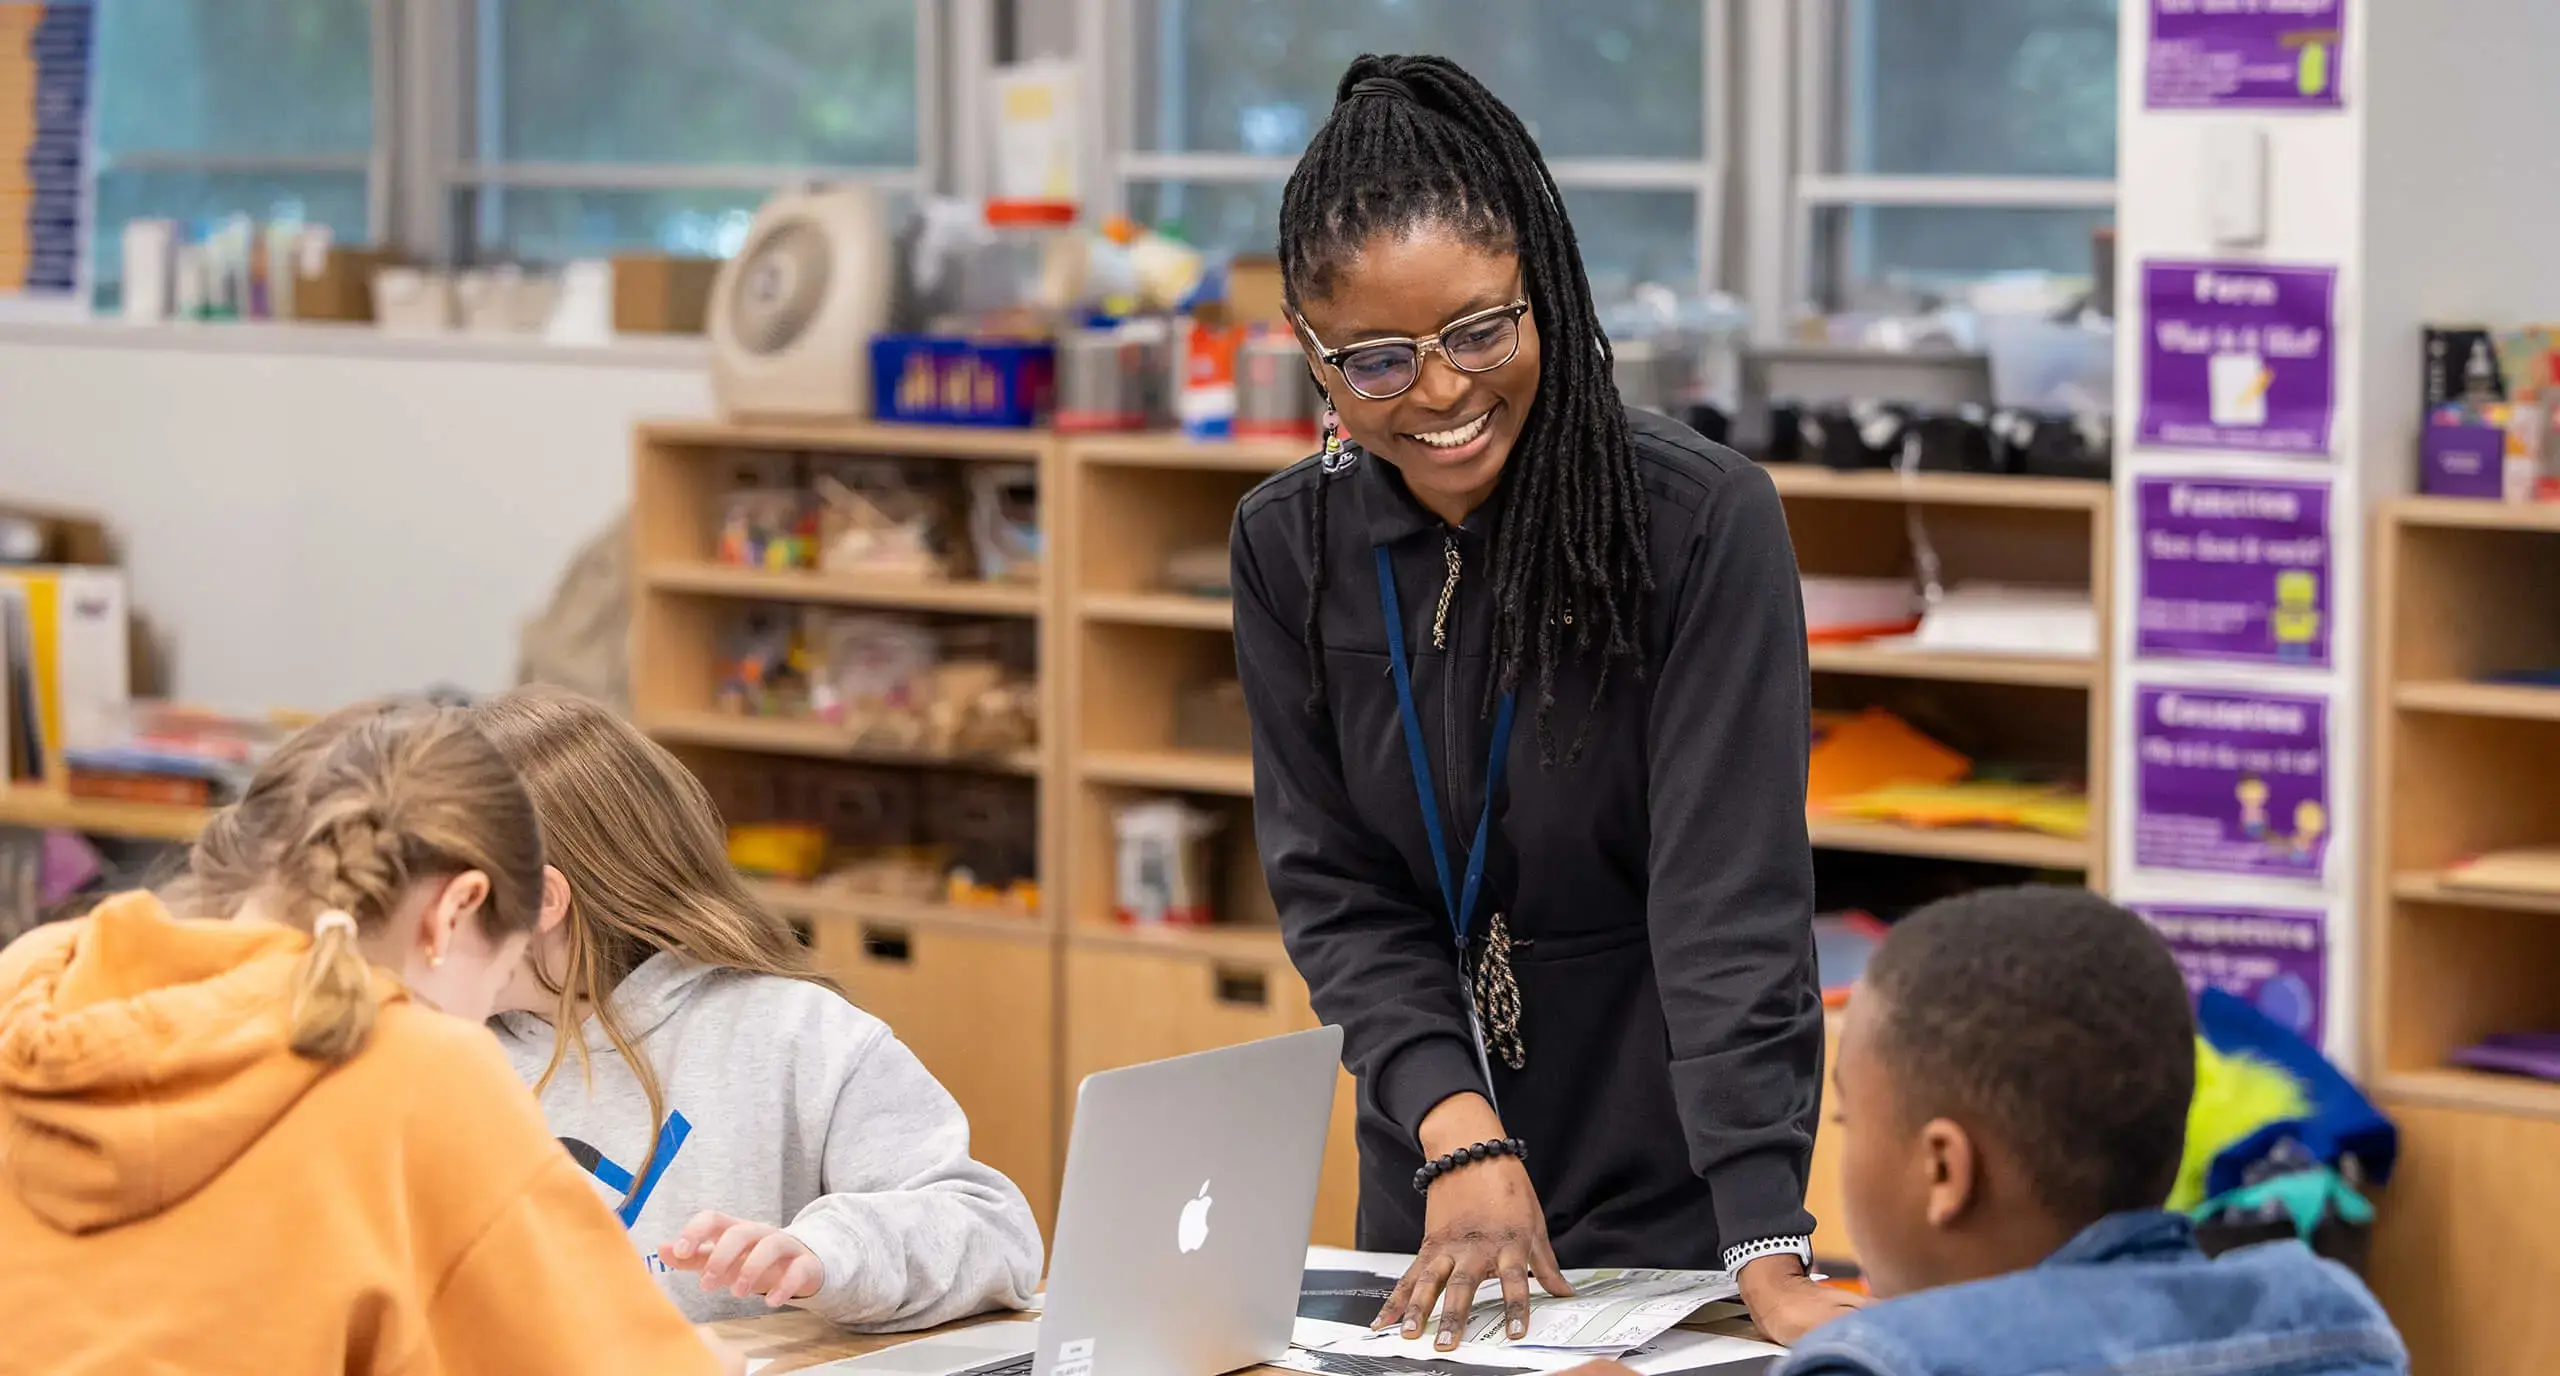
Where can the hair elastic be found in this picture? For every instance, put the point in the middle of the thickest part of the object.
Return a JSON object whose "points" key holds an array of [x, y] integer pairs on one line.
{"points": [[1391, 87], [333, 920]]}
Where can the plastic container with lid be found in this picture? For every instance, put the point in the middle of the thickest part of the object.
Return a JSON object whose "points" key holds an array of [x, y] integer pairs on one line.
{"points": [[1035, 260]]}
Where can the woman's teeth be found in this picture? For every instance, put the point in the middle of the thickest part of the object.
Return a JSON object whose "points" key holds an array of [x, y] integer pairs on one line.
{"points": [[1460, 437]]}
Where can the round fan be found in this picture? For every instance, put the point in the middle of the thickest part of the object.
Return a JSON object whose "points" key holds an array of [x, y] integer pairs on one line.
{"points": [[782, 280], [793, 315]]}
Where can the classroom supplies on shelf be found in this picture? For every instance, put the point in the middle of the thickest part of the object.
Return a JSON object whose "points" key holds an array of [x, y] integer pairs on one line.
{"points": [[2526, 870], [1855, 753], [1845, 609], [68, 663], [1843, 943], [953, 380], [1990, 618], [778, 850], [1004, 521], [1165, 864], [2536, 1054], [2050, 809]]}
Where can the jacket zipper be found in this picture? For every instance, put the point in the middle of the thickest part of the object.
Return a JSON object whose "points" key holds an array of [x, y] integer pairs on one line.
{"points": [[1442, 633]]}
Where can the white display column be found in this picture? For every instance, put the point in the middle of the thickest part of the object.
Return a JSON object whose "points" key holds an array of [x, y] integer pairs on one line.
{"points": [[2302, 186]]}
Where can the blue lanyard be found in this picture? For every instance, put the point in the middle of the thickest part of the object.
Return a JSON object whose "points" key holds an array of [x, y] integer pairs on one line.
{"points": [[1458, 902]]}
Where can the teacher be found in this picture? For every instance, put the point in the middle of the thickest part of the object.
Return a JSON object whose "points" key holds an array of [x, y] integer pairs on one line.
{"points": [[1572, 960]]}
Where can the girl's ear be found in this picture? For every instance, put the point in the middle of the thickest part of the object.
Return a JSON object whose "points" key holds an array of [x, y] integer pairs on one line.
{"points": [[455, 902], [555, 899]]}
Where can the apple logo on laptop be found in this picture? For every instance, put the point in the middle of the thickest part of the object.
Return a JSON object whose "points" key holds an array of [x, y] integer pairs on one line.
{"points": [[1193, 1234]]}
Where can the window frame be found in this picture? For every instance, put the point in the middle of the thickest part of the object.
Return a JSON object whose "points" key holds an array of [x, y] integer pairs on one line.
{"points": [[375, 165], [456, 69], [1814, 187], [1106, 48]]}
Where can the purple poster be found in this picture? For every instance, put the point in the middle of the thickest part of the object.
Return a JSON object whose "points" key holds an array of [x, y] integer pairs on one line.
{"points": [[2231, 782], [2246, 54], [2275, 958], [2238, 356], [2234, 570]]}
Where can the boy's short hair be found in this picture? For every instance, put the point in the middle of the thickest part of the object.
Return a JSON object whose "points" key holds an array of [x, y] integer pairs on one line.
{"points": [[2053, 1019]]}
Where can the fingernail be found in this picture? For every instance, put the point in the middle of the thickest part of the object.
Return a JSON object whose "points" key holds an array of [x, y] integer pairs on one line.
{"points": [[1519, 1328], [1412, 1328]]}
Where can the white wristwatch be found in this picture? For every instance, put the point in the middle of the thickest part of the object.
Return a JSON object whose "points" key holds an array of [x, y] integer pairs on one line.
{"points": [[1735, 1258]]}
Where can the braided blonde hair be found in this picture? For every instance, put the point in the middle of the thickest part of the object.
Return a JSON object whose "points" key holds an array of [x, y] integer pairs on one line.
{"points": [[403, 794]]}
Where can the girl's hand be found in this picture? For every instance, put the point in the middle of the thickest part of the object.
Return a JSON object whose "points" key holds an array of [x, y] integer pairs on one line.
{"points": [[746, 1259], [1482, 1222]]}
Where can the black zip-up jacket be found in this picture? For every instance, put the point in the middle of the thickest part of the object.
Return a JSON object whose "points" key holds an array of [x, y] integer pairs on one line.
{"points": [[1660, 889]]}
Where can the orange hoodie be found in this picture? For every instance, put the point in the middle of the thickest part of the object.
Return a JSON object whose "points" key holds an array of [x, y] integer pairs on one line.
{"points": [[180, 1191]]}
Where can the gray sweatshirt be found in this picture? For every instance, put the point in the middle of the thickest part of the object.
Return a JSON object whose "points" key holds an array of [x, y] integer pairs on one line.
{"points": [[785, 1104]]}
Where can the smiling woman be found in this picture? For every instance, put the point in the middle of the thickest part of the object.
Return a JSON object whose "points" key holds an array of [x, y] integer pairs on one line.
{"points": [[1580, 1004]]}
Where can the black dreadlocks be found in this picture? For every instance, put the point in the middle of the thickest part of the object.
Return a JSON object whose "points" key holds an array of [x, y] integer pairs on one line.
{"points": [[1417, 141]]}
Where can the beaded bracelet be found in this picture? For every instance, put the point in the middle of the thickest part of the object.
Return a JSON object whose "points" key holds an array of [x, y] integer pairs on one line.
{"points": [[1468, 1156]]}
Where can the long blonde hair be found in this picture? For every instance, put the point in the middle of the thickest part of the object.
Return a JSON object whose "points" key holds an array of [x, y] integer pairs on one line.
{"points": [[384, 796], [647, 862]]}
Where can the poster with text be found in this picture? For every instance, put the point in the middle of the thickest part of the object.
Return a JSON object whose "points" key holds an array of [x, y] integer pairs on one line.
{"points": [[2231, 782], [2246, 55], [2238, 356], [2276, 959], [2234, 569]]}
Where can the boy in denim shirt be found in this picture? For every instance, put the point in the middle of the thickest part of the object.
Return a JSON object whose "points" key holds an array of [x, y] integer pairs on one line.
{"points": [[2012, 1091], [2012, 1094]]}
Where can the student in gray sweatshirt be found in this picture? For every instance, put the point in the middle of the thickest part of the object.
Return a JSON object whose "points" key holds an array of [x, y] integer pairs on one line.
{"points": [[766, 1142]]}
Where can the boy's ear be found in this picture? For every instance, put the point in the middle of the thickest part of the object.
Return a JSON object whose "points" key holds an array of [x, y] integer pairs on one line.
{"points": [[1953, 1170]]}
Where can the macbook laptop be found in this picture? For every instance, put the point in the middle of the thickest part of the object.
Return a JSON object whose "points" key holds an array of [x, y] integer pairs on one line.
{"points": [[1182, 1223]]}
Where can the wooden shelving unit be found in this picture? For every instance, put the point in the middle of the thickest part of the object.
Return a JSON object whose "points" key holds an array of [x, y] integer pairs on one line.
{"points": [[974, 991], [2045, 710], [1013, 1010], [46, 808], [2463, 591]]}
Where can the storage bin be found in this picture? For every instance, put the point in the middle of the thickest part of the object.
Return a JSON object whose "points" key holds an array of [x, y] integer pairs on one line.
{"points": [[948, 380]]}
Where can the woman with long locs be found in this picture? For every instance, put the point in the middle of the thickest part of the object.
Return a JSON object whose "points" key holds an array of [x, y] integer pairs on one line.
{"points": [[1573, 961]]}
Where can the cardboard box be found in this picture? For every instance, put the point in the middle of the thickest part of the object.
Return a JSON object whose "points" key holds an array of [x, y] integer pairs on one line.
{"points": [[657, 294], [1254, 292], [341, 287]]}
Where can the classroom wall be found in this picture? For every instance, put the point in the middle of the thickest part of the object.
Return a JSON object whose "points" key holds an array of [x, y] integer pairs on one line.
{"points": [[318, 520], [2316, 193], [2430, 194]]}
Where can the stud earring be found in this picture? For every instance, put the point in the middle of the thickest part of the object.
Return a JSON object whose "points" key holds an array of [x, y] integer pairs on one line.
{"points": [[436, 961]]}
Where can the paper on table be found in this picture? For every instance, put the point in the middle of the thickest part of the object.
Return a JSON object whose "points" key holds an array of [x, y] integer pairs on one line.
{"points": [[1677, 1353], [1611, 1310]]}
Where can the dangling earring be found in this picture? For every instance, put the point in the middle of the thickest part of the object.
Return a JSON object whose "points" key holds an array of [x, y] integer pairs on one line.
{"points": [[1335, 460]]}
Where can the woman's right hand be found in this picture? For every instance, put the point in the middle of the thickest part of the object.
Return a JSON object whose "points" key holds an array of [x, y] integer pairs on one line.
{"points": [[1482, 1222]]}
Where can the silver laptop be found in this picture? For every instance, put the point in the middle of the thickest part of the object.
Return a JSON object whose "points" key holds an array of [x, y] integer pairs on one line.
{"points": [[1182, 1222]]}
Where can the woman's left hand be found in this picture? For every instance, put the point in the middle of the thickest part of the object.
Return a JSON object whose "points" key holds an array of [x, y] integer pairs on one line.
{"points": [[746, 1258], [1787, 1303]]}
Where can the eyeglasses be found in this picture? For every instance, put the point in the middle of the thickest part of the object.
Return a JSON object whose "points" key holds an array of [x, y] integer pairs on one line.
{"points": [[1382, 369]]}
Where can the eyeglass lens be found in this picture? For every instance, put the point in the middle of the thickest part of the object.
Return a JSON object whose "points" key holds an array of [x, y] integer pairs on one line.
{"points": [[1475, 346]]}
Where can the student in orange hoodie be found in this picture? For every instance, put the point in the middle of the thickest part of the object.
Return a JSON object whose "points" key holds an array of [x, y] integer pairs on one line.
{"points": [[257, 1145]]}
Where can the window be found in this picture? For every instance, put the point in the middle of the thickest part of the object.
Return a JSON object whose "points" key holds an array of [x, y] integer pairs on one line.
{"points": [[1954, 139], [1225, 93], [662, 124], [207, 108]]}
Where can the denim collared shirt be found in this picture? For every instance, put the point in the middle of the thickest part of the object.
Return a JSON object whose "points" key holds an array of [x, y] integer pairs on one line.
{"points": [[2131, 1294]]}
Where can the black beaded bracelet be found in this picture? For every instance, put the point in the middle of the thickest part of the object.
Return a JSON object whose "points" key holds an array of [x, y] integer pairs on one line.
{"points": [[1468, 1156]]}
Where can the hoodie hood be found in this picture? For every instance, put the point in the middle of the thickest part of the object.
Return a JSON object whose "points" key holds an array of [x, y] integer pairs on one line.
{"points": [[140, 1055], [653, 992]]}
